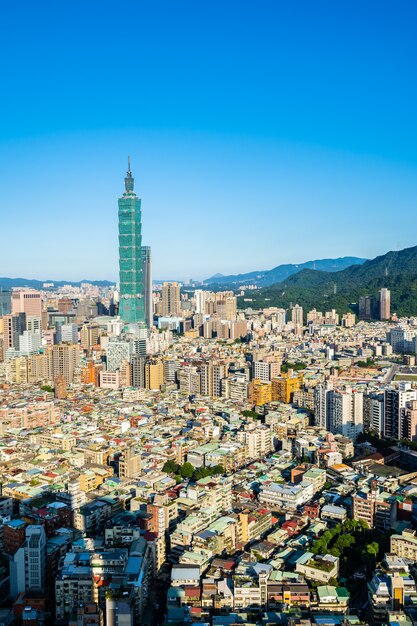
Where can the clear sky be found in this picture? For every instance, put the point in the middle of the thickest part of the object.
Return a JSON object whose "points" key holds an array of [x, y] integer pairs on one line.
{"points": [[261, 132]]}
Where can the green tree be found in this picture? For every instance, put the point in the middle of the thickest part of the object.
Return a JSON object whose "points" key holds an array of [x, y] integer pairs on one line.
{"points": [[201, 472], [47, 388], [186, 470], [253, 414], [170, 467]]}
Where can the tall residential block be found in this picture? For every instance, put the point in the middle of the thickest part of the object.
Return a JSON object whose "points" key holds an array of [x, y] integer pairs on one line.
{"points": [[131, 308], [171, 299], [65, 360], [28, 565]]}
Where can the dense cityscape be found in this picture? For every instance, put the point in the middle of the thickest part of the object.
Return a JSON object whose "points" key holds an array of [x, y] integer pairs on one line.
{"points": [[171, 455]]}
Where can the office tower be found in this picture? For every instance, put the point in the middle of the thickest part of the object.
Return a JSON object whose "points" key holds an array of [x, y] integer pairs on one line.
{"points": [[65, 359], [131, 308], [28, 565], [86, 309], [27, 301], [384, 303], [34, 324], [366, 307], [29, 343], [14, 325], [69, 333], [147, 284], [139, 346], [171, 299], [118, 351], [5, 302]]}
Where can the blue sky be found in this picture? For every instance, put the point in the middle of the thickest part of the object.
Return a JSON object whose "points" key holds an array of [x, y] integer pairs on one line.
{"points": [[260, 132]]}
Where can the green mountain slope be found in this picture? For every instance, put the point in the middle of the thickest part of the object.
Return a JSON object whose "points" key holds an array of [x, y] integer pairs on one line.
{"points": [[340, 290]]}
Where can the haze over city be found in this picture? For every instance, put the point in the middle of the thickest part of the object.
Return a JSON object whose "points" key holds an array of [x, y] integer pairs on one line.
{"points": [[237, 117]]}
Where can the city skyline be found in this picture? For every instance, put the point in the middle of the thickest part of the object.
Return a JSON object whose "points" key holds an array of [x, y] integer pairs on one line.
{"points": [[228, 135]]}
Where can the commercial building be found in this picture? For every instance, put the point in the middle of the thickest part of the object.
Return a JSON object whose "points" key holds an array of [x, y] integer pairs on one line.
{"points": [[27, 301], [131, 307], [147, 284], [384, 303]]}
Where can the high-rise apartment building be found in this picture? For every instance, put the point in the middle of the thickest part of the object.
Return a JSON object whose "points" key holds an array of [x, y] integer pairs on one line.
{"points": [[226, 306], [154, 374], [201, 296], [171, 299], [28, 565], [212, 375], [137, 371], [346, 416], [297, 319], [27, 301], [65, 360], [384, 303], [131, 308], [396, 401], [89, 335], [339, 411], [147, 284]]}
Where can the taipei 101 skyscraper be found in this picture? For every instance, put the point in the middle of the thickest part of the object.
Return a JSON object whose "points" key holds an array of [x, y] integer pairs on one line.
{"points": [[131, 307]]}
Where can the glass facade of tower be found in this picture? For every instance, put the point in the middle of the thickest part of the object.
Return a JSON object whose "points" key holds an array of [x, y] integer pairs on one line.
{"points": [[131, 307]]}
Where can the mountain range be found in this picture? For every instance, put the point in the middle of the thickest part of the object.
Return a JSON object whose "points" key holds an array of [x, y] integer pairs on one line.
{"points": [[9, 283], [264, 278], [341, 290]]}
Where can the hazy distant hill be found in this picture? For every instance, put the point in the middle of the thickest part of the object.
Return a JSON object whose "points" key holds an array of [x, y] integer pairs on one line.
{"points": [[328, 290], [264, 278], [9, 283]]}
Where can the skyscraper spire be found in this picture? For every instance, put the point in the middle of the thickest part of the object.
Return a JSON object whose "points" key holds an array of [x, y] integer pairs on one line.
{"points": [[129, 180], [131, 307]]}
